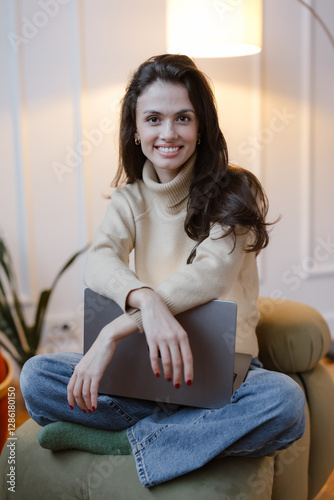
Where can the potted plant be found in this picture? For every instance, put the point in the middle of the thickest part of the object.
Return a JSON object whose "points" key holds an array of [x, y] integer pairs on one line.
{"points": [[6, 376], [18, 337]]}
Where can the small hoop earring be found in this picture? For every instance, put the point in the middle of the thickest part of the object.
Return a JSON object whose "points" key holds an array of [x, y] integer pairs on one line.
{"points": [[198, 141], [137, 142]]}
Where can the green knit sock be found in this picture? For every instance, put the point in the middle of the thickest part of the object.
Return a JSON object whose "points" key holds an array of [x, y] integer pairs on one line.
{"points": [[69, 436]]}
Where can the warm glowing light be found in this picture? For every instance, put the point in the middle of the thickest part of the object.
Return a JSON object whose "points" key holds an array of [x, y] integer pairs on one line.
{"points": [[214, 28]]}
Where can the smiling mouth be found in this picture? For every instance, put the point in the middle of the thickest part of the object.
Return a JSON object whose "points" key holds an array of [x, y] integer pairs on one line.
{"points": [[168, 150]]}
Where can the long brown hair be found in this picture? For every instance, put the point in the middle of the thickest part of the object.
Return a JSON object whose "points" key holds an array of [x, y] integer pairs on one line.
{"points": [[219, 193]]}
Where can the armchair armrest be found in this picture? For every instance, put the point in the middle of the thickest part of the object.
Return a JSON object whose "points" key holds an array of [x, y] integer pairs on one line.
{"points": [[292, 336]]}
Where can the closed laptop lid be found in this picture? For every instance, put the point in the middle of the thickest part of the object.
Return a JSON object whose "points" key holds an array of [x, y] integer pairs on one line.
{"points": [[211, 331]]}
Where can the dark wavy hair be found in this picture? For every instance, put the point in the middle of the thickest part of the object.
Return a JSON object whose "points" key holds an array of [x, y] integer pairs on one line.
{"points": [[219, 193]]}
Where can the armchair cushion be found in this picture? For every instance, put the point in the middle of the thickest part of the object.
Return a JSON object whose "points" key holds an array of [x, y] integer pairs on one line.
{"points": [[45, 475], [292, 336]]}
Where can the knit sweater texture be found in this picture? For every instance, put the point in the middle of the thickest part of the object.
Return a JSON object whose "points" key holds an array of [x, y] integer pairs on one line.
{"points": [[148, 217]]}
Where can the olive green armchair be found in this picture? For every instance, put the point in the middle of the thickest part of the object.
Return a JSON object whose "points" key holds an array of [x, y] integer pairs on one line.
{"points": [[293, 338]]}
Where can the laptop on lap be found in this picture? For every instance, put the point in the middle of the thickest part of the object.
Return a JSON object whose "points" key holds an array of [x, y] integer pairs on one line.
{"points": [[211, 331]]}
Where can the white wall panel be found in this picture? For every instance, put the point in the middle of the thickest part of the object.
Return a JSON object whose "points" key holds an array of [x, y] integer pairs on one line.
{"points": [[118, 37], [50, 94], [14, 218], [60, 92], [298, 163], [321, 137]]}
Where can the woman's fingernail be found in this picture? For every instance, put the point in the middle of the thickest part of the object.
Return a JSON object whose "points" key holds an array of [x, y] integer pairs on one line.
{"points": [[93, 408], [89, 411], [84, 411], [72, 407], [157, 374], [189, 382], [177, 386], [168, 379]]}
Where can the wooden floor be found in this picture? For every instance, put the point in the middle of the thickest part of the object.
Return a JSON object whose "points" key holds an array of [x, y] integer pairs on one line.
{"points": [[327, 492]]}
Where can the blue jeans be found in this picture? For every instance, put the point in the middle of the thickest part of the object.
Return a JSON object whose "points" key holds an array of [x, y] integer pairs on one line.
{"points": [[265, 414]]}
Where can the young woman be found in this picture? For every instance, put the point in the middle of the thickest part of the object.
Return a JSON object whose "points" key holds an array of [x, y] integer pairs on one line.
{"points": [[196, 225]]}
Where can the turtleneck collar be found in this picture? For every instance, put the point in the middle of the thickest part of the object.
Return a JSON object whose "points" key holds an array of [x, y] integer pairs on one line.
{"points": [[173, 193]]}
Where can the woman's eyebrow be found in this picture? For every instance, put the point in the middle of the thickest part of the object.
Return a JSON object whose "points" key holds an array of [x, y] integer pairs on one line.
{"points": [[185, 111], [153, 112]]}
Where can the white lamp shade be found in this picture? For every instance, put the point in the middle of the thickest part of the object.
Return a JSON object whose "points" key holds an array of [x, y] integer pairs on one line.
{"points": [[214, 28]]}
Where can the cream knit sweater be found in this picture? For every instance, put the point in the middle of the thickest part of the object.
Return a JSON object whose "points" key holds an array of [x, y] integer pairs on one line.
{"points": [[148, 216]]}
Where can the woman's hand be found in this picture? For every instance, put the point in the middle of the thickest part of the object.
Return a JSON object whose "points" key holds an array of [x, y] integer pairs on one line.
{"points": [[84, 383], [164, 335]]}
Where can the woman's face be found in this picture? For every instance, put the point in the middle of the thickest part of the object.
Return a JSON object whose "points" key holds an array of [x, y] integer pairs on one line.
{"points": [[167, 127]]}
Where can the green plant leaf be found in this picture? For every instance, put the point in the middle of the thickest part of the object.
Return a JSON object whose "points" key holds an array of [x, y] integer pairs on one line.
{"points": [[44, 299], [8, 328], [14, 314], [19, 311], [39, 318], [12, 320], [5, 260], [12, 353], [68, 264]]}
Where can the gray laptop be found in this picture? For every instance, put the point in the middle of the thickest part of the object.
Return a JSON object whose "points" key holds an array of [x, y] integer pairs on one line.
{"points": [[218, 371]]}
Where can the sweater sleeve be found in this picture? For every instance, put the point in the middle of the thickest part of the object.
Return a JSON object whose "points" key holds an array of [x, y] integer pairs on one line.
{"points": [[107, 269], [210, 275]]}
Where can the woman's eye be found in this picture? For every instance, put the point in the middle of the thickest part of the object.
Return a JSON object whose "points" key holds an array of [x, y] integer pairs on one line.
{"points": [[153, 119], [183, 118]]}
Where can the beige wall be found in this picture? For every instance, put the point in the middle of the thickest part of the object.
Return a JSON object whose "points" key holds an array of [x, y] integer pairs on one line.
{"points": [[64, 65]]}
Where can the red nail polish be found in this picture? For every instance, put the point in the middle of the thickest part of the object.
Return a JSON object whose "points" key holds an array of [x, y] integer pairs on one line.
{"points": [[89, 411], [189, 382], [71, 407], [93, 408], [168, 379], [84, 411], [157, 374], [177, 386]]}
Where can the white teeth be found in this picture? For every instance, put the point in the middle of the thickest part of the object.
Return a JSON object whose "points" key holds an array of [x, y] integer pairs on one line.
{"points": [[168, 150]]}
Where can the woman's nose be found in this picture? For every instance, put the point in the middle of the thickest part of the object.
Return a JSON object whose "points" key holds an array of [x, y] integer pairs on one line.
{"points": [[168, 131]]}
